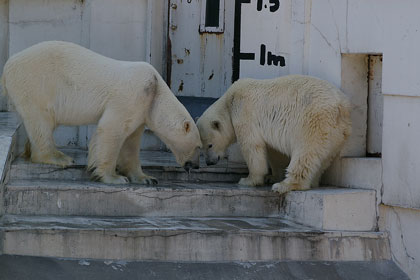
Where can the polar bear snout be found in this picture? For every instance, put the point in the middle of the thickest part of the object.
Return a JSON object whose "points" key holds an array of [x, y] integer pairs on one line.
{"points": [[193, 162], [212, 161]]}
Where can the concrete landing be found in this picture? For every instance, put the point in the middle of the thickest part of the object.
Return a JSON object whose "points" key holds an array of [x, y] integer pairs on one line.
{"points": [[67, 269], [185, 239]]}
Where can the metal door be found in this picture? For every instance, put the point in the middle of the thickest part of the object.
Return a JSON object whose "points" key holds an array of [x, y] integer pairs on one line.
{"points": [[200, 46]]}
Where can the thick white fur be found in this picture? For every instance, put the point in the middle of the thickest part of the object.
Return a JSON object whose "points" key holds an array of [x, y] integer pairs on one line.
{"points": [[60, 83], [302, 117]]}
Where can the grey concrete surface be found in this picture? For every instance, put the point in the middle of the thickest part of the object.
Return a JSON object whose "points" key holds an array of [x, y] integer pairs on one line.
{"points": [[332, 208], [160, 164], [52, 197], [9, 124], [30, 268], [186, 239]]}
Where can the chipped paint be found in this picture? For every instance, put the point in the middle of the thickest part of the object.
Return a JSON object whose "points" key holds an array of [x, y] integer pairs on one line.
{"points": [[181, 86], [200, 61]]}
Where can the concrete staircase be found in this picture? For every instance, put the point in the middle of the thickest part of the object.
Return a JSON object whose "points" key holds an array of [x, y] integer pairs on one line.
{"points": [[201, 217]]}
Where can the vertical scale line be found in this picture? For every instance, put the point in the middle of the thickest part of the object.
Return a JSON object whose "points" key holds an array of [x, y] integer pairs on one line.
{"points": [[237, 41], [262, 55], [149, 27]]}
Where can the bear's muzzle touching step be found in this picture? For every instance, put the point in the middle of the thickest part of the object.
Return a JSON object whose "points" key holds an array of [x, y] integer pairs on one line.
{"points": [[60, 83], [300, 117]]}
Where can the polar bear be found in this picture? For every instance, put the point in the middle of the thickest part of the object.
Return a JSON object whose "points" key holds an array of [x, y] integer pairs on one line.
{"points": [[300, 117], [60, 83]]}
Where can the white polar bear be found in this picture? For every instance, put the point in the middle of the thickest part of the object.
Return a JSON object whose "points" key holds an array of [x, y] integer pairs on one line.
{"points": [[302, 117], [60, 83]]}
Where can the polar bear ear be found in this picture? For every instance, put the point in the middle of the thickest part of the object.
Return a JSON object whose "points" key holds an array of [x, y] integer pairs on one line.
{"points": [[215, 125], [187, 126]]}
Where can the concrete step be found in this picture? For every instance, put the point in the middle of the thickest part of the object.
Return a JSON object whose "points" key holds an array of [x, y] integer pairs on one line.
{"points": [[323, 208], [355, 172], [186, 239], [160, 164], [70, 269], [332, 208], [86, 198]]}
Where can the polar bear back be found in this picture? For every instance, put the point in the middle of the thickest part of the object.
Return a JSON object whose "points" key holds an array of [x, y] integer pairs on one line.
{"points": [[55, 74], [285, 110]]}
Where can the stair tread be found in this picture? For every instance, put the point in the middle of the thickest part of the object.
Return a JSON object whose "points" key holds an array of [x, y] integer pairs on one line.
{"points": [[185, 239], [266, 225], [48, 184], [149, 160]]}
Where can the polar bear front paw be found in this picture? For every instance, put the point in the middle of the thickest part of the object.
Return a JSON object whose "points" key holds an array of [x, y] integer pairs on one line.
{"points": [[250, 182], [114, 179], [145, 179], [282, 187], [56, 158]]}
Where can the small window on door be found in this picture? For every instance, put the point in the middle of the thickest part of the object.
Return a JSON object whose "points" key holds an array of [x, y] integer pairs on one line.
{"points": [[212, 16]]}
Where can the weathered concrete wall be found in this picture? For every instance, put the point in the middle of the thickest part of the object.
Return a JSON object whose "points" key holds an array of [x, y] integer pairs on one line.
{"points": [[404, 228], [4, 17], [390, 28], [116, 29]]}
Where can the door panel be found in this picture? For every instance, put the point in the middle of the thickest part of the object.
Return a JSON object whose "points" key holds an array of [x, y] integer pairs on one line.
{"points": [[201, 62]]}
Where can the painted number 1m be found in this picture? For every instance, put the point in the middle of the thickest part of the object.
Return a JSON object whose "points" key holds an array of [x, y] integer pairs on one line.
{"points": [[274, 5]]}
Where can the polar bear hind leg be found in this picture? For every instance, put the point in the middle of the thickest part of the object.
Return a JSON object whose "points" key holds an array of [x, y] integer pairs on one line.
{"points": [[300, 172], [41, 149], [128, 163], [323, 141]]}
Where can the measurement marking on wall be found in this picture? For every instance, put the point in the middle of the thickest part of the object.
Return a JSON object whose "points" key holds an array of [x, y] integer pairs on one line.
{"points": [[271, 58], [275, 5], [266, 57]]}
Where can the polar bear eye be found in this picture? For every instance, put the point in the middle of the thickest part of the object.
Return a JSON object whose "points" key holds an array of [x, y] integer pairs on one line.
{"points": [[211, 145]]}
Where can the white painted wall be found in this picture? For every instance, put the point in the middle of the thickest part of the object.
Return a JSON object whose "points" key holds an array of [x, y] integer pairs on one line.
{"points": [[118, 28], [391, 28], [115, 28]]}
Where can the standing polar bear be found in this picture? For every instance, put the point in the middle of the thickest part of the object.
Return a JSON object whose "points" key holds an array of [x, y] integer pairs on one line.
{"points": [[60, 83], [302, 117]]}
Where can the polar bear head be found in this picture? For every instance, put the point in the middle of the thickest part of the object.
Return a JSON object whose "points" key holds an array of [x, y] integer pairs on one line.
{"points": [[181, 136], [216, 134], [185, 143]]}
